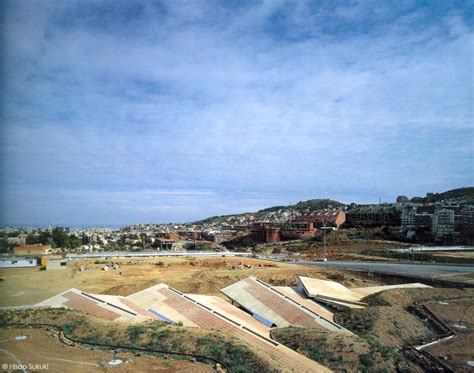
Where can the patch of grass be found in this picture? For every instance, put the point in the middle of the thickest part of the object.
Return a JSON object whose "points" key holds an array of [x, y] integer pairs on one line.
{"points": [[70, 326], [366, 360], [135, 331], [358, 321]]}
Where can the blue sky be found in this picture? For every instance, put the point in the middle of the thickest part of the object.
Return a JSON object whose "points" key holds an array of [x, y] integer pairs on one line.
{"points": [[117, 112]]}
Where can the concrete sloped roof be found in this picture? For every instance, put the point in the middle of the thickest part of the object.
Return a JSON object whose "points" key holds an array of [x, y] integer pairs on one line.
{"points": [[236, 314], [154, 301], [192, 311], [93, 305], [340, 297], [299, 296], [263, 301], [316, 288]]}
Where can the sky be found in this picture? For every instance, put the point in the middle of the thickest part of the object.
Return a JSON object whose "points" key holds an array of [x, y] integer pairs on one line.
{"points": [[122, 112]]}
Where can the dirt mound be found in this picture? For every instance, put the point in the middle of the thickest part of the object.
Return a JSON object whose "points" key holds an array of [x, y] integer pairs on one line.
{"points": [[407, 297], [291, 279], [341, 353], [128, 289], [151, 334], [45, 348], [390, 326]]}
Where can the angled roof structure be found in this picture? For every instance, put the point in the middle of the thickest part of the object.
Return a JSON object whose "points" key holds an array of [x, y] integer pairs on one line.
{"points": [[264, 301], [300, 297], [220, 306], [338, 296], [110, 308], [330, 290], [192, 311]]}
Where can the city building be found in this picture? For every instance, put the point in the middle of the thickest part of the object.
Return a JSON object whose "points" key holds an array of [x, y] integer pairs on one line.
{"points": [[442, 224], [32, 250], [467, 227], [16, 262], [373, 215], [422, 221], [56, 263], [298, 229], [165, 244], [327, 218], [407, 219]]}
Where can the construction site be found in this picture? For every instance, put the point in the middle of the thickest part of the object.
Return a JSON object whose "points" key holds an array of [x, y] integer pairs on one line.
{"points": [[282, 317]]}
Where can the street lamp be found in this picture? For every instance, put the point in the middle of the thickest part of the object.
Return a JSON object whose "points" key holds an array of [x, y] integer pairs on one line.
{"points": [[324, 228]]}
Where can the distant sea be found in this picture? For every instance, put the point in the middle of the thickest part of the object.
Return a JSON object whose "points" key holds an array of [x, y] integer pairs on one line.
{"points": [[73, 226]]}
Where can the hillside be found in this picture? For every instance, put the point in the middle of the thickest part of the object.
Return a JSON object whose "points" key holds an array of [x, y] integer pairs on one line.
{"points": [[459, 194], [283, 213], [275, 213]]}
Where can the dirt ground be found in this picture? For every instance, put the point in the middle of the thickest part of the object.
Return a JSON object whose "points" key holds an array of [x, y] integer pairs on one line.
{"points": [[451, 312], [457, 351], [388, 323], [46, 353], [454, 257], [456, 254], [203, 276]]}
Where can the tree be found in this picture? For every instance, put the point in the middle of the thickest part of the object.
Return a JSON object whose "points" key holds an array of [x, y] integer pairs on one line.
{"points": [[74, 242], [60, 238], [4, 247]]}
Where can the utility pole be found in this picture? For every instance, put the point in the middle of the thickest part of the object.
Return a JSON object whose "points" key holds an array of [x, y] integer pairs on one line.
{"points": [[324, 228], [324, 240]]}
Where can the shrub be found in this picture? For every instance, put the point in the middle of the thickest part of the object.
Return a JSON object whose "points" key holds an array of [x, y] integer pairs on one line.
{"points": [[366, 360], [134, 332], [70, 326]]}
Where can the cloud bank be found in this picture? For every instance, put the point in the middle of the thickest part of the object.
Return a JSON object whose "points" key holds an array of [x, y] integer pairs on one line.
{"points": [[118, 112]]}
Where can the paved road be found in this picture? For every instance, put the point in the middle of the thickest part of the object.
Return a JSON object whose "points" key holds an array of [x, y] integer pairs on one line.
{"points": [[418, 270]]}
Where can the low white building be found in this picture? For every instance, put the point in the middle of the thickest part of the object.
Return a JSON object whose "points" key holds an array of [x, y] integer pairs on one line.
{"points": [[17, 262]]}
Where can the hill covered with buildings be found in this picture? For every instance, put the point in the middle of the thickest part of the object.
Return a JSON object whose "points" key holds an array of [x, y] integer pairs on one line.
{"points": [[446, 217], [275, 213]]}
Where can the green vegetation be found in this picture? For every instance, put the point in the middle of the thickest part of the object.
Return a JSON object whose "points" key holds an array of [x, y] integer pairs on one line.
{"points": [[153, 335], [5, 247], [135, 331], [232, 352], [361, 323], [342, 353], [58, 238], [199, 246], [70, 326]]}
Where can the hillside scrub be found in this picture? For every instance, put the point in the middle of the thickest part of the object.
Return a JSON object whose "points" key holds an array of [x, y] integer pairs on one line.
{"points": [[381, 331], [342, 353], [152, 334]]}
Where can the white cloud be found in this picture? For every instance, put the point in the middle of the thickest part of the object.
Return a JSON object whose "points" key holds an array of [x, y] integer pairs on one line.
{"points": [[199, 97]]}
